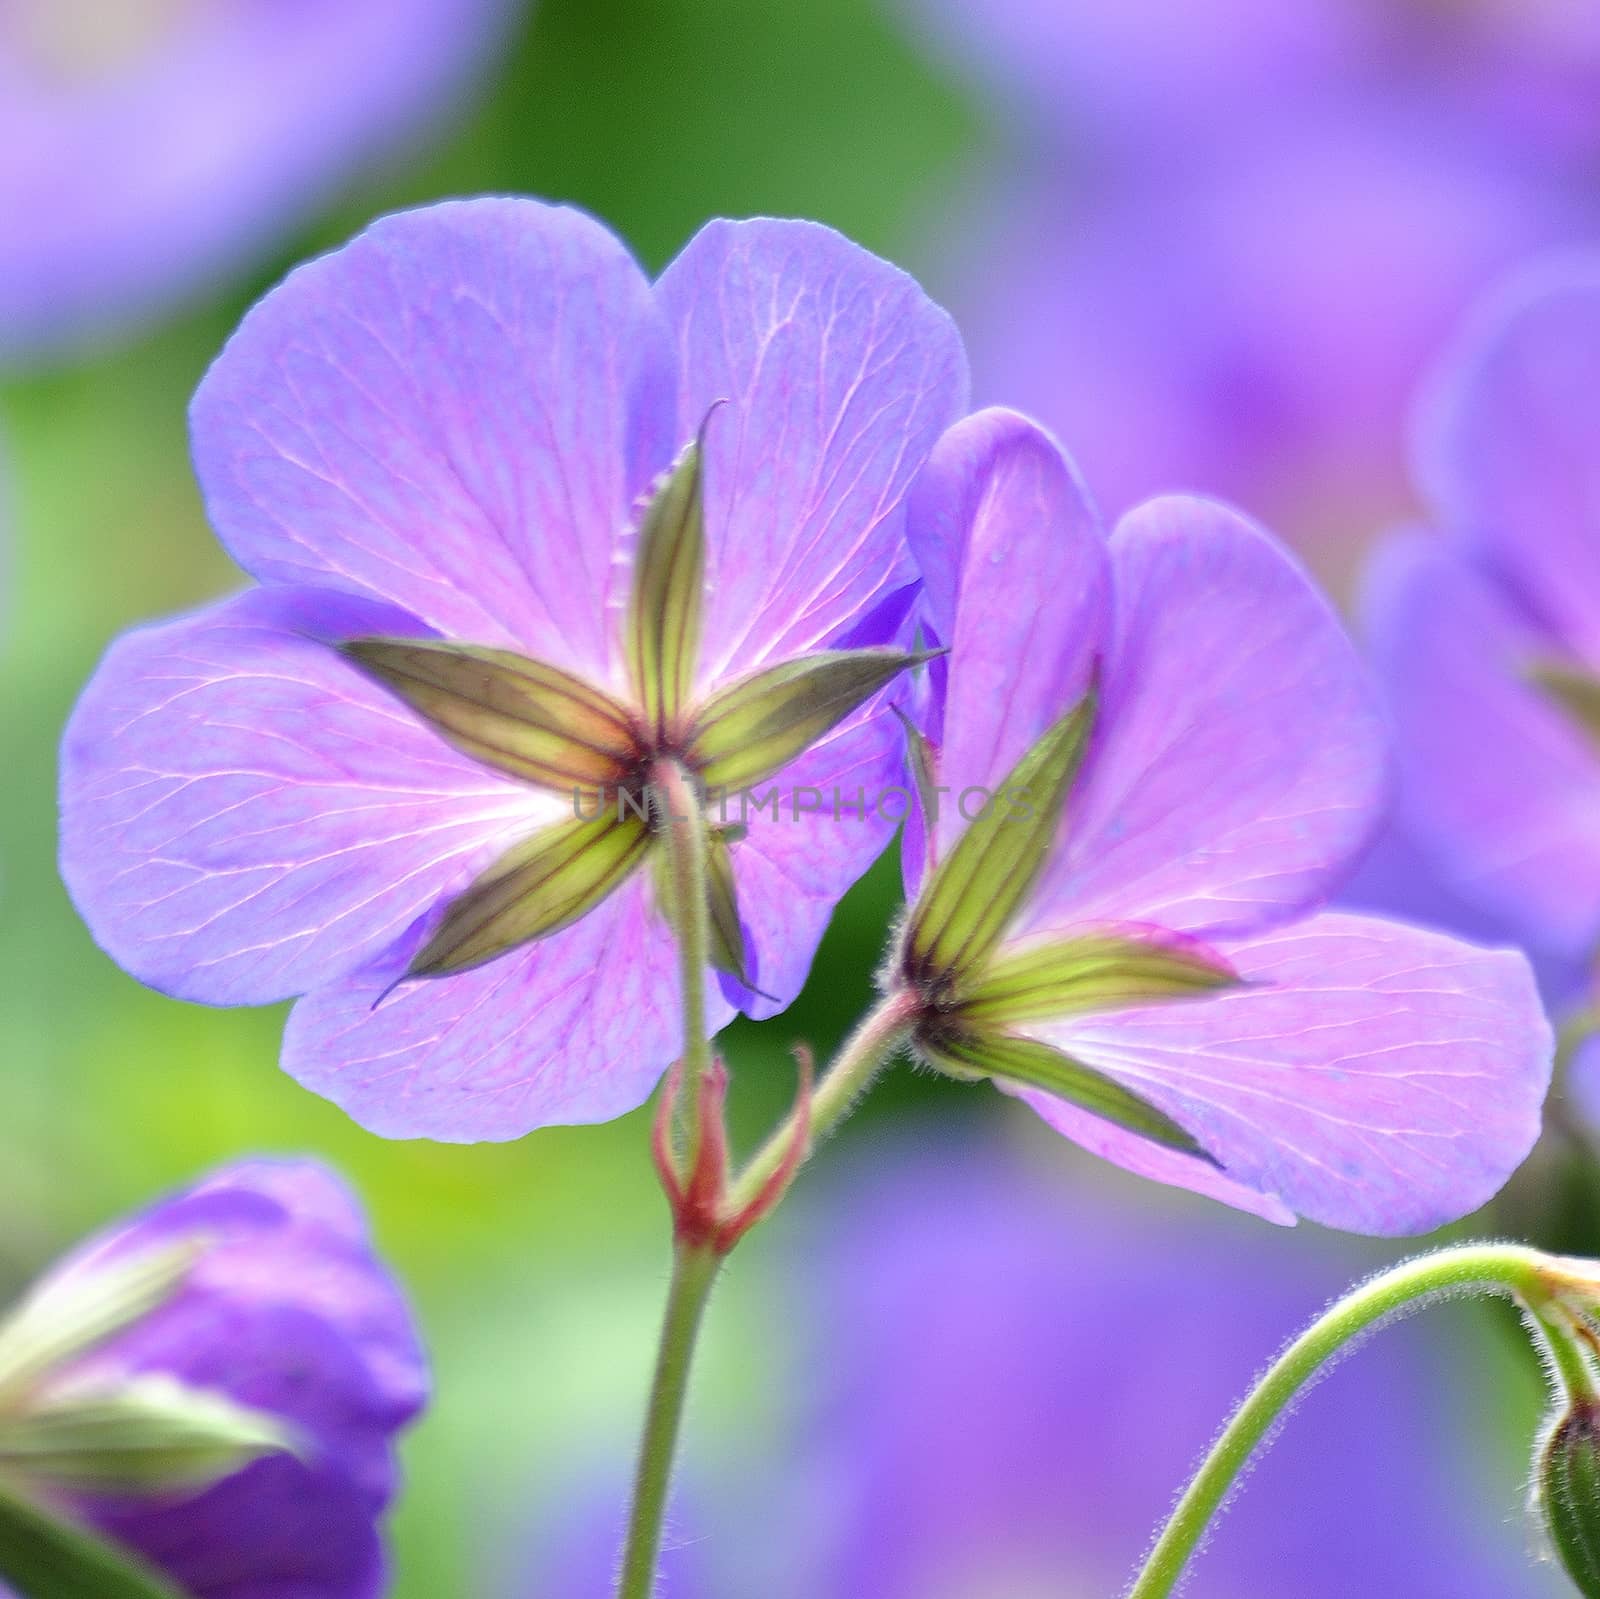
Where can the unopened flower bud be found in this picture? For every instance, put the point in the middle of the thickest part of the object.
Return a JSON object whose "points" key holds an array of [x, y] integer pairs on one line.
{"points": [[1567, 1493]]}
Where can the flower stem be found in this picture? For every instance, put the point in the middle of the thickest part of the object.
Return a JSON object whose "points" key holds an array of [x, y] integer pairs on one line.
{"points": [[681, 824], [1531, 1278], [877, 1036], [694, 1270]]}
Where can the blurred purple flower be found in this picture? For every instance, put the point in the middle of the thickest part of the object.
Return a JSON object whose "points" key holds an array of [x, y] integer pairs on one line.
{"points": [[148, 147], [1237, 231], [1008, 1374], [285, 1311], [1487, 632], [1365, 1074], [439, 431]]}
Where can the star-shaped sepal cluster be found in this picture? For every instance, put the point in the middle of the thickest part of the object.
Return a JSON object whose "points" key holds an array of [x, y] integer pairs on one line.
{"points": [[977, 991], [603, 752]]}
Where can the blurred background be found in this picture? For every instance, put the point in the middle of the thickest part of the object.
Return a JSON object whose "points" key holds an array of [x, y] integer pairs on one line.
{"points": [[1215, 244]]}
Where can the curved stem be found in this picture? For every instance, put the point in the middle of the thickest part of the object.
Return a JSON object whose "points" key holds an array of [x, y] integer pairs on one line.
{"points": [[1504, 1269], [681, 824], [693, 1273], [879, 1034]]}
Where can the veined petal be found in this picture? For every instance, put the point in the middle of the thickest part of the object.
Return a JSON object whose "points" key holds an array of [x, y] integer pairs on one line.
{"points": [[1093, 970], [246, 815], [1507, 444], [536, 888], [524, 718], [1498, 783], [665, 602], [809, 835], [1369, 1075], [1026, 1063], [456, 412], [839, 375], [1242, 757], [752, 729], [488, 1055], [1015, 572]]}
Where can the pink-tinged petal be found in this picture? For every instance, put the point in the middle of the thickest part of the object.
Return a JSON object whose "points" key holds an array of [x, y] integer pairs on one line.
{"points": [[1499, 784], [1373, 1076], [1508, 444], [245, 815], [837, 810], [839, 375], [1241, 758], [576, 1028], [1015, 569], [454, 412]]}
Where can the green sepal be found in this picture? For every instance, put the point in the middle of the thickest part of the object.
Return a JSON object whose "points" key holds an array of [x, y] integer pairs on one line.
{"points": [[1576, 692], [727, 931], [522, 717], [535, 889], [664, 604], [753, 728], [1026, 1063], [149, 1434], [43, 1556], [970, 897], [71, 1315], [1567, 1493], [1090, 972]]}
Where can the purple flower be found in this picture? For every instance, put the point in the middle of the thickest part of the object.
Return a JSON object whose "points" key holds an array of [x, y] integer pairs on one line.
{"points": [[153, 145], [1234, 233], [437, 436], [285, 1311], [1487, 631], [1359, 1072]]}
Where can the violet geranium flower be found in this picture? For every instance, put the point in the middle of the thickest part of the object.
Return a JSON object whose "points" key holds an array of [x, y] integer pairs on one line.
{"points": [[1487, 631], [256, 1288], [150, 146], [1158, 754], [430, 449]]}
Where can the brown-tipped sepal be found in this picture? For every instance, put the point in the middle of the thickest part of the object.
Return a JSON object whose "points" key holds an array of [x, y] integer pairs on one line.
{"points": [[970, 897], [1016, 1062], [753, 728], [1567, 1493], [664, 605], [1088, 972], [522, 717], [535, 889], [1577, 693]]}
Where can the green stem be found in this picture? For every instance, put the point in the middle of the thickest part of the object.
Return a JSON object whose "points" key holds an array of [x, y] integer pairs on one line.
{"points": [[1503, 1269], [681, 824], [693, 1273], [879, 1034]]}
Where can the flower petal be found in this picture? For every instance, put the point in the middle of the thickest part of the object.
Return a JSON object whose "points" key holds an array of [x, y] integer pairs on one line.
{"points": [[454, 412], [1015, 574], [286, 1310], [1373, 1076], [838, 806], [245, 814], [577, 1028], [1242, 762], [1507, 444], [840, 374], [1497, 782]]}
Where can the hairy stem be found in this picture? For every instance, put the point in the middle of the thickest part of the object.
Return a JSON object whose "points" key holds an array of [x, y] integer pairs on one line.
{"points": [[694, 1270], [1480, 1269], [879, 1034]]}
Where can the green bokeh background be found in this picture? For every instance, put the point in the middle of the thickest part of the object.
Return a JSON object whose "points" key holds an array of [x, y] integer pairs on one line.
{"points": [[537, 1268]]}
